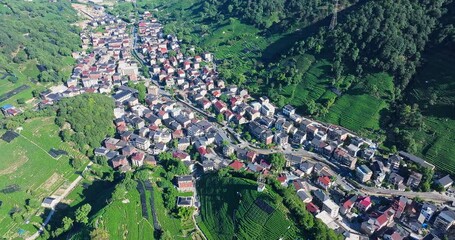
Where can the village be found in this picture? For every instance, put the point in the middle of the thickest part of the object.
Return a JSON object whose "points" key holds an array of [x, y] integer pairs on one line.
{"points": [[209, 124]]}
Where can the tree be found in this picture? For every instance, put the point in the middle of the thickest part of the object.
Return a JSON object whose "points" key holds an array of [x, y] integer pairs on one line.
{"points": [[220, 118], [278, 161], [99, 234], [101, 160], [90, 117], [67, 223], [82, 213], [76, 163]]}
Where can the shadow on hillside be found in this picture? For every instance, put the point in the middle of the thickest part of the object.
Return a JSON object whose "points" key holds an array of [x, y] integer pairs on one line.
{"points": [[97, 195], [282, 45]]}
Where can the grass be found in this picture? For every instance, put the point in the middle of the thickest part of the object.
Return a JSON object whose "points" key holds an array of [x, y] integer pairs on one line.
{"points": [[25, 162], [436, 76], [228, 209]]}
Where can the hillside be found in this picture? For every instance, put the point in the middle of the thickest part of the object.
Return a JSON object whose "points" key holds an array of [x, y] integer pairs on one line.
{"points": [[35, 45], [231, 206]]}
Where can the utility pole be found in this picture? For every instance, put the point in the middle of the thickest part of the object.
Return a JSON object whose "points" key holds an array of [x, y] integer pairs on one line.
{"points": [[333, 22]]}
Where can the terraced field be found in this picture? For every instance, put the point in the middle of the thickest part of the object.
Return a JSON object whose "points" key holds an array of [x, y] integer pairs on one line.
{"points": [[229, 208]]}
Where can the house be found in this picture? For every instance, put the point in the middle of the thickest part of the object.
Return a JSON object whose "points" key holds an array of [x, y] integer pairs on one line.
{"points": [[251, 156], [150, 160], [376, 223], [414, 180], [305, 197], [348, 205], [399, 206], [394, 162], [364, 203], [138, 159], [237, 165], [445, 182], [185, 201], [306, 167], [281, 139], [142, 143], [395, 179], [185, 183], [288, 110], [331, 208], [312, 208], [426, 212], [182, 156], [324, 182], [395, 233], [363, 173], [119, 161], [267, 109], [444, 220], [49, 202], [183, 144]]}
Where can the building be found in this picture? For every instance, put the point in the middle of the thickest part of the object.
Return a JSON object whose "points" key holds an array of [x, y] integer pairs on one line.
{"points": [[288, 110], [324, 182], [185, 183], [184, 201], [376, 223], [414, 180], [331, 208], [445, 220], [426, 212], [445, 182], [363, 173]]}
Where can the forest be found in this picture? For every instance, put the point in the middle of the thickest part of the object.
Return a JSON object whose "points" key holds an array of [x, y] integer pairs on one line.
{"points": [[38, 30], [89, 117], [275, 14]]}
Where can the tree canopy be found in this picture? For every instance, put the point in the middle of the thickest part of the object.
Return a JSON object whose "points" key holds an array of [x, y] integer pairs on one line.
{"points": [[90, 117], [41, 31]]}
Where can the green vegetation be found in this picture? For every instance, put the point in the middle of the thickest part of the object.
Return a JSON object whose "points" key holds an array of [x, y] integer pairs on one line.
{"points": [[22, 164], [41, 32], [35, 34], [228, 209], [90, 119], [123, 219]]}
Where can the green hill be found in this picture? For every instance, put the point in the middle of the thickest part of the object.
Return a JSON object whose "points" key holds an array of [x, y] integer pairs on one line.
{"points": [[232, 206], [36, 43]]}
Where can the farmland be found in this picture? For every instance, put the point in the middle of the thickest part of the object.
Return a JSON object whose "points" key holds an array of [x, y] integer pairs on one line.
{"points": [[434, 92], [229, 207], [20, 160], [123, 219]]}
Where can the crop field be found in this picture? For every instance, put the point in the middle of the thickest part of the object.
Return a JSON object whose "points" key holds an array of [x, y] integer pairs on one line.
{"points": [[26, 162], [314, 84], [123, 220], [228, 209], [436, 77], [356, 112]]}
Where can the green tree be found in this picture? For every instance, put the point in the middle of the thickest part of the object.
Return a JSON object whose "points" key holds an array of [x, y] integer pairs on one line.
{"points": [[82, 213], [220, 118], [278, 161], [99, 234], [67, 223]]}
